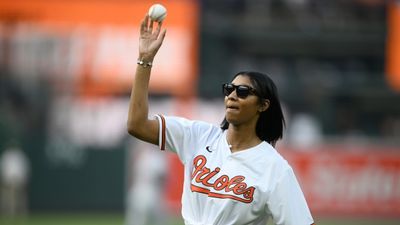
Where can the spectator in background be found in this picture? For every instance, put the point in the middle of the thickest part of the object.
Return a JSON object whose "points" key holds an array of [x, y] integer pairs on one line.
{"points": [[304, 131], [14, 168], [147, 174]]}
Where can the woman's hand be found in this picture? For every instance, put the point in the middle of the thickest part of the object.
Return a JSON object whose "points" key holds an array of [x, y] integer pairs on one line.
{"points": [[150, 39]]}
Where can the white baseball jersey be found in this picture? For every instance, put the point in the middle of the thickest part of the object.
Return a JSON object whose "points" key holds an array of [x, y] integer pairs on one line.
{"points": [[221, 187]]}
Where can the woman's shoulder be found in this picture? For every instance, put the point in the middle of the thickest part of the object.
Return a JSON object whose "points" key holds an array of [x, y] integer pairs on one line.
{"points": [[275, 167], [185, 120], [273, 158], [199, 125]]}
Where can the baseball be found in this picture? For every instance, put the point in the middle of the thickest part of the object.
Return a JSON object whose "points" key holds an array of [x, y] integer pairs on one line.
{"points": [[157, 12]]}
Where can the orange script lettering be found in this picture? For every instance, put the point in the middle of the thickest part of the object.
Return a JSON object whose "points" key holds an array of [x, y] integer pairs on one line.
{"points": [[233, 188]]}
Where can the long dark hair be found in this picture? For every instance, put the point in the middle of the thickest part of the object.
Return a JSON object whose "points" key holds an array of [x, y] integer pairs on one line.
{"points": [[271, 122]]}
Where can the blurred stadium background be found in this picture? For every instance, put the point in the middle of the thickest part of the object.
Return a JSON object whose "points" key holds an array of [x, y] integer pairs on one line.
{"points": [[66, 68]]}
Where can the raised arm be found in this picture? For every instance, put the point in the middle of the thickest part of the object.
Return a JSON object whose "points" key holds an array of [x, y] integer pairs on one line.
{"points": [[139, 125]]}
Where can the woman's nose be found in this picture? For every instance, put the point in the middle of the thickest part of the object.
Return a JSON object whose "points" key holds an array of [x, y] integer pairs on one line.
{"points": [[232, 95]]}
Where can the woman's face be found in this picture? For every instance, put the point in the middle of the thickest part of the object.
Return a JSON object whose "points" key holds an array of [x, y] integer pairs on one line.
{"points": [[240, 111]]}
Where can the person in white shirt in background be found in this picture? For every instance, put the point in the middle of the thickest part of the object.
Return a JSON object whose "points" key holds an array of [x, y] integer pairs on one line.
{"points": [[15, 169]]}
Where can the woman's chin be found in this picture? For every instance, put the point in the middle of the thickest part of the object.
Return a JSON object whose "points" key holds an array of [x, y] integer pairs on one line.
{"points": [[231, 119]]}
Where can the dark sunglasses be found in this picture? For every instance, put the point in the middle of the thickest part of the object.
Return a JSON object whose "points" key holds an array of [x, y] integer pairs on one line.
{"points": [[242, 91]]}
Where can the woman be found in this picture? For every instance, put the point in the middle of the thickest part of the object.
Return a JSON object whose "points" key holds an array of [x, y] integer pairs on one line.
{"points": [[233, 174]]}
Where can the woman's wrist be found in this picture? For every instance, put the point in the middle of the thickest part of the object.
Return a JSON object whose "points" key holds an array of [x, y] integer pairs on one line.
{"points": [[146, 58], [144, 64], [145, 61]]}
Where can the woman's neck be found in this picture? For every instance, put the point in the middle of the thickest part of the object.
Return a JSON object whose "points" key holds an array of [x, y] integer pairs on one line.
{"points": [[240, 138]]}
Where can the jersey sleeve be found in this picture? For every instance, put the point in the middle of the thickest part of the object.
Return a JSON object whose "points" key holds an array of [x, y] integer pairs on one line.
{"points": [[286, 202], [181, 135]]}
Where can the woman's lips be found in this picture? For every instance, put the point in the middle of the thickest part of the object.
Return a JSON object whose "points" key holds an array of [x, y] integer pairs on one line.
{"points": [[232, 108]]}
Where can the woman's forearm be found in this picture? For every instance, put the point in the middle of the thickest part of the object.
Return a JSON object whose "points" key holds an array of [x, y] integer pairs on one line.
{"points": [[138, 105]]}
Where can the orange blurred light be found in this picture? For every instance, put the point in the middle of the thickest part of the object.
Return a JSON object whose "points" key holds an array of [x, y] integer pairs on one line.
{"points": [[393, 46]]}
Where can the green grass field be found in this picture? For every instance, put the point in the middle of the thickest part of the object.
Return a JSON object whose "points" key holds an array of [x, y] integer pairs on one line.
{"points": [[118, 219]]}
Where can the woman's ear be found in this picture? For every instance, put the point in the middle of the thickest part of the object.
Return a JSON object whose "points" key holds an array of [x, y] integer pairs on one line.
{"points": [[264, 105]]}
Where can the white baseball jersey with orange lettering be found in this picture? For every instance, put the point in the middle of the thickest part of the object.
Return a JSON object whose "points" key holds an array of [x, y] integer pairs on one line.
{"points": [[221, 187]]}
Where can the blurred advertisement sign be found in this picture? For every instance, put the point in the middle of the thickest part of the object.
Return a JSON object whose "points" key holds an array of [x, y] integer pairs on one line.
{"points": [[338, 180], [75, 126], [90, 47]]}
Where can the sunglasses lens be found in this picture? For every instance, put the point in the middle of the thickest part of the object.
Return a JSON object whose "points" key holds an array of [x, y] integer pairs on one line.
{"points": [[228, 89], [242, 91]]}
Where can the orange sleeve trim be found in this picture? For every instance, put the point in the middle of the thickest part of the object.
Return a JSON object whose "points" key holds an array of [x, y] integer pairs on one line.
{"points": [[162, 136]]}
